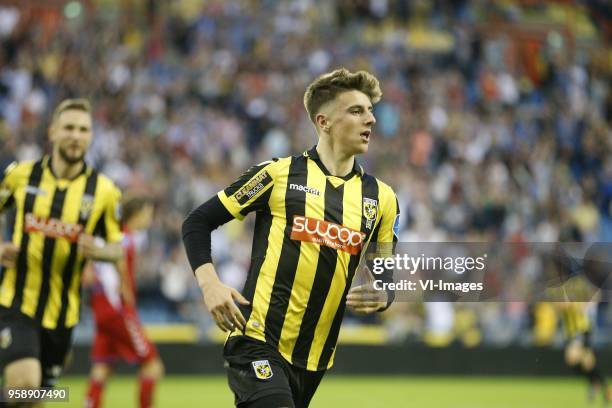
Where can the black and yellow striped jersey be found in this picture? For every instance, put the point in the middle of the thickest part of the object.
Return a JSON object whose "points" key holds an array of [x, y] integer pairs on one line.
{"points": [[575, 318], [310, 232], [51, 213]]}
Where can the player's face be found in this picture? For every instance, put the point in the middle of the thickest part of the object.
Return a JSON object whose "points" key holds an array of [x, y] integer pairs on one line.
{"points": [[71, 135], [350, 122]]}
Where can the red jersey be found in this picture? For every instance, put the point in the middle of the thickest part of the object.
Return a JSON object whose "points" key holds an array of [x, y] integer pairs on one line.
{"points": [[108, 278], [119, 333]]}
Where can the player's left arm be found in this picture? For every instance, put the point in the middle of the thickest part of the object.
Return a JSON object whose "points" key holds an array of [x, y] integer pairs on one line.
{"points": [[364, 299], [109, 249]]}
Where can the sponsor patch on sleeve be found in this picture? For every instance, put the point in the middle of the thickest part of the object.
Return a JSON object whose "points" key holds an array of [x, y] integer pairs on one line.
{"points": [[396, 226], [254, 186]]}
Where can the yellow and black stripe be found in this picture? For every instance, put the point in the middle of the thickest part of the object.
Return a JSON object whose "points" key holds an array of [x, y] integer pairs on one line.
{"points": [[575, 318], [51, 214], [300, 273]]}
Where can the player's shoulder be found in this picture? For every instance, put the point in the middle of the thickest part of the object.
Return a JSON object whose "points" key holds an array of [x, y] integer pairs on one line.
{"points": [[268, 163], [270, 166], [106, 185], [18, 169], [384, 189]]}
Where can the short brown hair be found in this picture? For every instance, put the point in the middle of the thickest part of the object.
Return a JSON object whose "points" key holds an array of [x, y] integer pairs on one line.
{"points": [[326, 87], [132, 204], [81, 104]]}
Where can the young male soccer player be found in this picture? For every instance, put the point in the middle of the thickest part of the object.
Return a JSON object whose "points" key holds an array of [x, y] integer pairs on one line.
{"points": [[61, 203], [316, 213], [119, 333]]}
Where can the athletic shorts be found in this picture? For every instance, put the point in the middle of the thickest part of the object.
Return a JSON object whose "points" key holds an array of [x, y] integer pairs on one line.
{"points": [[256, 371], [121, 337], [23, 337]]}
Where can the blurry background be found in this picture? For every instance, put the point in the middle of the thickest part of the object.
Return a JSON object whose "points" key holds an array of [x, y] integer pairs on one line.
{"points": [[494, 125]]}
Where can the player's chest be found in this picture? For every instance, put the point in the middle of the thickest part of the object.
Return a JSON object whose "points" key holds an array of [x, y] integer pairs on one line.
{"points": [[55, 207], [328, 208]]}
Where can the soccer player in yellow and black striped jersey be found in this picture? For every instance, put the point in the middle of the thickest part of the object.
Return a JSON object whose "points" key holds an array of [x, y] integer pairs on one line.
{"points": [[61, 203], [579, 353], [316, 214]]}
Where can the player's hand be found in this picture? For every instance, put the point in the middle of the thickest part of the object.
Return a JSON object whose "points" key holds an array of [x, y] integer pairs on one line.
{"points": [[8, 254], [88, 246], [221, 299], [364, 299]]}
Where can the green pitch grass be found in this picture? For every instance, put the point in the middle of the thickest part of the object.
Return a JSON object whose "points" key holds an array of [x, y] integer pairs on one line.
{"points": [[358, 392]]}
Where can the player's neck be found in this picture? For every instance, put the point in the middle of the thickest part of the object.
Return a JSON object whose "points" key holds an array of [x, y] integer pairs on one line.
{"points": [[64, 170], [338, 164]]}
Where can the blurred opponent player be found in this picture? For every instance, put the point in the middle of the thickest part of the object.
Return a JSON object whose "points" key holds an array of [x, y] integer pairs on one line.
{"points": [[316, 213], [119, 333], [61, 203]]}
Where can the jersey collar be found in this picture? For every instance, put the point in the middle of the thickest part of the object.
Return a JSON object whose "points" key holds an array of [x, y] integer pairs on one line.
{"points": [[314, 155], [46, 162]]}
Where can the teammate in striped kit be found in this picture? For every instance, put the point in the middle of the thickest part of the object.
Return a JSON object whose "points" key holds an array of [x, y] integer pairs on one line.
{"points": [[61, 203]]}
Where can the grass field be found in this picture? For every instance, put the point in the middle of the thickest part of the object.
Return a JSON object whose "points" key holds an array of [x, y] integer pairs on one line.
{"points": [[358, 392]]}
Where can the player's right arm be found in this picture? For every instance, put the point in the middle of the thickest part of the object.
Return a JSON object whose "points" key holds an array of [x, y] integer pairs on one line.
{"points": [[8, 250], [249, 193]]}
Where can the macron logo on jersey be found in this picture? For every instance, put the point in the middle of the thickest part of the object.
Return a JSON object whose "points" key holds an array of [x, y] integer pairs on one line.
{"points": [[327, 233], [52, 227], [305, 189]]}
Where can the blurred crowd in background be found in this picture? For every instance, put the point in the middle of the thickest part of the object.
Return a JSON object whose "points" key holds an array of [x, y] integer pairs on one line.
{"points": [[495, 122]]}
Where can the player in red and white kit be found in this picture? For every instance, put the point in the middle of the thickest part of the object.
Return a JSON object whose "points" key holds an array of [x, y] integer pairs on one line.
{"points": [[119, 333]]}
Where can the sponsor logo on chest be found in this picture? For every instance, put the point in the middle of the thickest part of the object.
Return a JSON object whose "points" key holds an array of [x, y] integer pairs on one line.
{"points": [[327, 233], [52, 227]]}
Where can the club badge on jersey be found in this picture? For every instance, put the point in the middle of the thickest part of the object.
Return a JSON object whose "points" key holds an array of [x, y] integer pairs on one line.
{"points": [[86, 205], [6, 338], [262, 369], [370, 211]]}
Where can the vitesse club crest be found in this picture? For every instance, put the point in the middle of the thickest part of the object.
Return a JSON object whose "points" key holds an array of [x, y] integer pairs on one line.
{"points": [[370, 211], [262, 368], [86, 206], [5, 338]]}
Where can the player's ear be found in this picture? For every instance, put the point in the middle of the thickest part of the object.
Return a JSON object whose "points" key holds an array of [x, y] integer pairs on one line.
{"points": [[322, 121]]}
